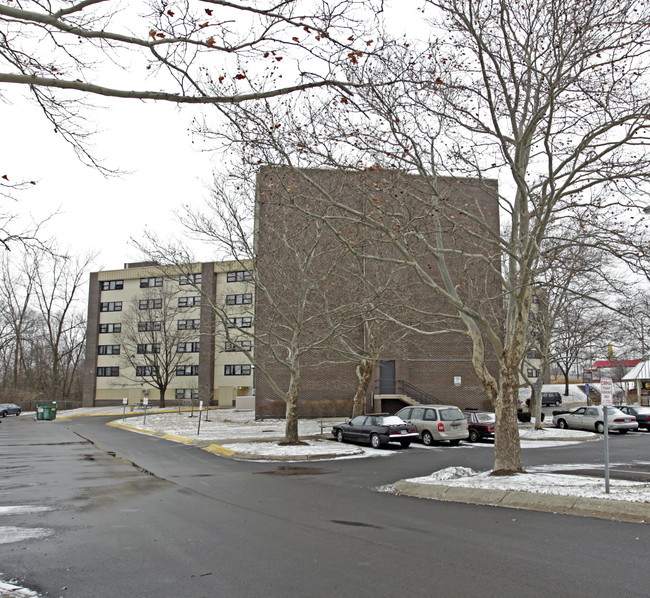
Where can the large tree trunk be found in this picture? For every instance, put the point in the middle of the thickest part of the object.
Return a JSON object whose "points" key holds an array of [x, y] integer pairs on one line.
{"points": [[291, 431], [364, 374], [507, 450], [162, 398]]}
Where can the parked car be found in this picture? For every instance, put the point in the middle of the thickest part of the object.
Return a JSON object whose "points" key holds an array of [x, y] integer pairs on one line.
{"points": [[592, 418], [9, 409], [480, 424], [642, 414], [549, 398], [435, 423], [376, 429]]}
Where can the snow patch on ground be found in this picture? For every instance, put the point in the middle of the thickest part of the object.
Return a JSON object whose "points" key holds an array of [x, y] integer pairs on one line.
{"points": [[544, 483], [9, 534]]}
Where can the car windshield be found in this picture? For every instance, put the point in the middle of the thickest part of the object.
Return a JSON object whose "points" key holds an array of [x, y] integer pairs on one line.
{"points": [[486, 417], [391, 420], [451, 414]]}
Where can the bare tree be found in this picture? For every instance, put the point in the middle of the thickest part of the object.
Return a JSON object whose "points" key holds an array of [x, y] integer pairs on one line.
{"points": [[294, 322], [157, 343], [550, 97], [207, 52], [58, 286]]}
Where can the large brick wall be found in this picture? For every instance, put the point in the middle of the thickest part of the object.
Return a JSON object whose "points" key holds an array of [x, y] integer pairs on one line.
{"points": [[438, 364]]}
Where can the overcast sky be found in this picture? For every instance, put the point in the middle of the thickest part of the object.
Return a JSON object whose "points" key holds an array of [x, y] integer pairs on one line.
{"points": [[99, 214]]}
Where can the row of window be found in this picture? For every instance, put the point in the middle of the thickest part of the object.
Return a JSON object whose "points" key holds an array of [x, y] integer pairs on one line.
{"points": [[181, 370], [152, 326], [190, 347], [240, 299], [157, 281]]}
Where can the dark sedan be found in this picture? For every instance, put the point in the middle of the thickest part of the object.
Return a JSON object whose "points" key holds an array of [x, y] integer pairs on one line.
{"points": [[376, 429], [642, 414], [9, 409], [480, 424]]}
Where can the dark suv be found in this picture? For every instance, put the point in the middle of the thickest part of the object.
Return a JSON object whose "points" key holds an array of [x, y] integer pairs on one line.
{"points": [[549, 398]]}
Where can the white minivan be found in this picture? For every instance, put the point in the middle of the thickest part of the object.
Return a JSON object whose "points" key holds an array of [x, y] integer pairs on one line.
{"points": [[436, 423]]}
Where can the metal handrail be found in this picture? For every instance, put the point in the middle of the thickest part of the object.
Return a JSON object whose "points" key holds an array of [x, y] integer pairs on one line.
{"points": [[406, 388]]}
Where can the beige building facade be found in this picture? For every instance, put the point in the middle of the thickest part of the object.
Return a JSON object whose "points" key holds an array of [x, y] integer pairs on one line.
{"points": [[185, 329]]}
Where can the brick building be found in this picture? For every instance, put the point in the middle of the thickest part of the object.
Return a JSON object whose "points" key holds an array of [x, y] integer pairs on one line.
{"points": [[416, 366]]}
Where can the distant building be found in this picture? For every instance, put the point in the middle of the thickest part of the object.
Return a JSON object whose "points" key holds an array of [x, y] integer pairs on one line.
{"points": [[138, 312], [611, 368]]}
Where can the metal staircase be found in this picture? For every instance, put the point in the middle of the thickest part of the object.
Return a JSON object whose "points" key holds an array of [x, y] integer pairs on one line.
{"points": [[411, 394]]}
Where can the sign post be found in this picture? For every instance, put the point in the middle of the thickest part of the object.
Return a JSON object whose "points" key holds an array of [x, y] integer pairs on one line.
{"points": [[606, 401], [124, 403], [145, 402], [587, 392], [198, 431]]}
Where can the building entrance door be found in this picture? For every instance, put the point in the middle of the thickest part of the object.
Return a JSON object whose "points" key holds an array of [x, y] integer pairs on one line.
{"points": [[387, 377]]}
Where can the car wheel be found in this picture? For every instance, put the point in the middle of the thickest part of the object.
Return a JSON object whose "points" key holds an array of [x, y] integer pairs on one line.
{"points": [[557, 403], [427, 438], [600, 427], [454, 442], [562, 424], [374, 441], [473, 436], [339, 435], [405, 443], [4, 414]]}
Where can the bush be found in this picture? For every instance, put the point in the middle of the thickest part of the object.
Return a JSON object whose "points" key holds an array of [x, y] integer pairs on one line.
{"points": [[524, 416]]}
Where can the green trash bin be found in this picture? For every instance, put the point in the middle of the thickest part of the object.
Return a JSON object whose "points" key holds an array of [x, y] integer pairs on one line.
{"points": [[46, 411]]}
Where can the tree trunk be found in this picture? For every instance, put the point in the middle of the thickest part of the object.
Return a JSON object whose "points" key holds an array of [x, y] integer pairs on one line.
{"points": [[291, 431], [364, 374], [507, 450], [162, 398]]}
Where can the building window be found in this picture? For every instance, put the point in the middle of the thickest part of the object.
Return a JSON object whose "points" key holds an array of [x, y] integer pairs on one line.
{"points": [[243, 345], [111, 285], [144, 348], [245, 322], [146, 370], [534, 298], [189, 324], [187, 370], [104, 328], [149, 326], [111, 306], [187, 393], [242, 299], [238, 276], [147, 283], [189, 301], [108, 350], [189, 279], [236, 370], [108, 372], [532, 373], [188, 348], [150, 304]]}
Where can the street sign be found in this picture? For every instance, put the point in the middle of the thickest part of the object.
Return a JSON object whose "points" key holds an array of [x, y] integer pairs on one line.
{"points": [[606, 392]]}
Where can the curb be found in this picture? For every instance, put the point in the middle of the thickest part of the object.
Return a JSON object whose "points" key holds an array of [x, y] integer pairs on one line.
{"points": [[217, 449], [601, 508]]}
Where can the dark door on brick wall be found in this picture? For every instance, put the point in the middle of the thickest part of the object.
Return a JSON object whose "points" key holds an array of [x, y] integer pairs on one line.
{"points": [[387, 377]]}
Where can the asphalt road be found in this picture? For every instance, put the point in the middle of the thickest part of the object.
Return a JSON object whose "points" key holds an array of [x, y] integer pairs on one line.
{"points": [[186, 523]]}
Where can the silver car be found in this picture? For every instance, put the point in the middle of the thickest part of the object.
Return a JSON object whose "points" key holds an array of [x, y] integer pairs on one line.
{"points": [[436, 422], [592, 418]]}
